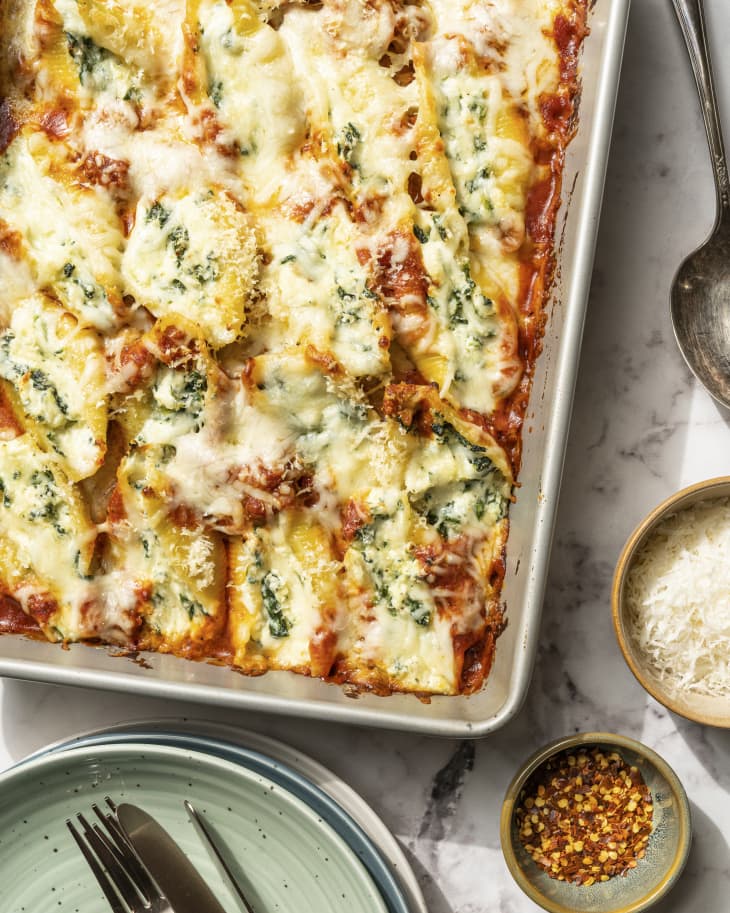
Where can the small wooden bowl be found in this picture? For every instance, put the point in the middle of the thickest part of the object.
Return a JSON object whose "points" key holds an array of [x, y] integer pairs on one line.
{"points": [[666, 851], [713, 711]]}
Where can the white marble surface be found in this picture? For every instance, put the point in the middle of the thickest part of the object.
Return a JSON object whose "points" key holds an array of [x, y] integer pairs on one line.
{"points": [[642, 428]]}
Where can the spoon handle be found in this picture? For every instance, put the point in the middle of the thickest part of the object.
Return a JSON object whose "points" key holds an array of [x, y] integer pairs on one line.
{"points": [[692, 20]]}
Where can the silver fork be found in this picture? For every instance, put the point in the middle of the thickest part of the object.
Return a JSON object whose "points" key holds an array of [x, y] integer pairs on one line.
{"points": [[117, 868]]}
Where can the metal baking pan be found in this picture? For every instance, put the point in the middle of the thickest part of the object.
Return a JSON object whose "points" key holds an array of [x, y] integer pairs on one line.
{"points": [[532, 517]]}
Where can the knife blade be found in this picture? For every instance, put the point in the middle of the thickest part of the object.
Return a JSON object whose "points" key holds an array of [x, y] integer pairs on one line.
{"points": [[202, 828], [176, 876]]}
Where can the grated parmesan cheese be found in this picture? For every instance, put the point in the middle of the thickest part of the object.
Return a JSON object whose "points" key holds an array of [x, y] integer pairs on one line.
{"points": [[678, 600]]}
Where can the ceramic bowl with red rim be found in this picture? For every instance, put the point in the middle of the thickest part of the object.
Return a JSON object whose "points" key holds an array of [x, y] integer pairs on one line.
{"points": [[572, 807]]}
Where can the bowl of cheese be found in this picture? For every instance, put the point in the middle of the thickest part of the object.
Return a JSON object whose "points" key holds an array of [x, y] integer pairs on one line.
{"points": [[671, 602]]}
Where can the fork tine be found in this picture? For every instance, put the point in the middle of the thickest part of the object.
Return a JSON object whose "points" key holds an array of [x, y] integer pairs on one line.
{"points": [[99, 873], [116, 871], [111, 844], [128, 864], [126, 854]]}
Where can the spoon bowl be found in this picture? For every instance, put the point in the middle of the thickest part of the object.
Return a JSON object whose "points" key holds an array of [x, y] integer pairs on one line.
{"points": [[700, 307], [700, 295]]}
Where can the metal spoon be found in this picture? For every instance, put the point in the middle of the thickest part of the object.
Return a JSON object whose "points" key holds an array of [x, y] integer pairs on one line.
{"points": [[701, 289]]}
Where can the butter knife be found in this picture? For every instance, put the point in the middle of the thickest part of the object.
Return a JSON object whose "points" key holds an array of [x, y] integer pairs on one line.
{"points": [[175, 875], [202, 829]]}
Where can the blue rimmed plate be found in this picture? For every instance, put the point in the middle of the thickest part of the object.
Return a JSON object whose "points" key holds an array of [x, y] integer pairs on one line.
{"points": [[288, 857], [397, 898]]}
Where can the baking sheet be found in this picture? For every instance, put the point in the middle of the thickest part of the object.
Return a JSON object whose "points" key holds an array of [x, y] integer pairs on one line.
{"points": [[532, 517]]}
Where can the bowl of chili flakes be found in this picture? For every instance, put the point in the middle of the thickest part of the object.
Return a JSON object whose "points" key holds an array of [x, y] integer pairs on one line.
{"points": [[595, 823]]}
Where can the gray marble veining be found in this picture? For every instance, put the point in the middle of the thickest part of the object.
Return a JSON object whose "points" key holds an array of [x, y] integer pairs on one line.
{"points": [[642, 428]]}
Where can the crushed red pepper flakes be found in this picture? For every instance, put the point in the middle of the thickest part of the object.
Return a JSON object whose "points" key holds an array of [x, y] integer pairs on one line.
{"points": [[585, 816]]}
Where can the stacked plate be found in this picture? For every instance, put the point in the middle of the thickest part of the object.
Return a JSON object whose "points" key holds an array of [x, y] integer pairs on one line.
{"points": [[298, 838]]}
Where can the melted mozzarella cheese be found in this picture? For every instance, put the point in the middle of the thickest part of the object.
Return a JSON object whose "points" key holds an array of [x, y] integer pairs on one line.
{"points": [[252, 84], [204, 470], [46, 523], [196, 256], [214, 458], [349, 448], [393, 622], [280, 595], [57, 371], [319, 291], [162, 159], [18, 284], [514, 38], [133, 34], [78, 259], [361, 103]]}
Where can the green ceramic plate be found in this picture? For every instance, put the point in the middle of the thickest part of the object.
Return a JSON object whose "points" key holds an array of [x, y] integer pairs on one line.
{"points": [[290, 859]]}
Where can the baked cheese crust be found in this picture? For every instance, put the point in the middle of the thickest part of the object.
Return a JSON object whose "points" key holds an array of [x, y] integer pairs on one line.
{"points": [[273, 279]]}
